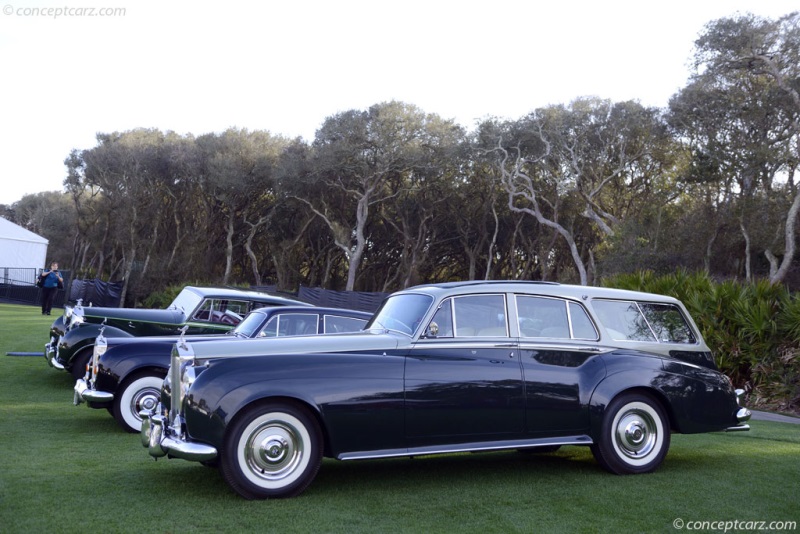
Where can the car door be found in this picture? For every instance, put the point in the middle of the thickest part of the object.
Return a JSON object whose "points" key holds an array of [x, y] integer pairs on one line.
{"points": [[559, 363], [463, 379]]}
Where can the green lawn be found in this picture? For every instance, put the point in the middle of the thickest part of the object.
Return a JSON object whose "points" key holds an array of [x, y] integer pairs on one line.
{"points": [[72, 469]]}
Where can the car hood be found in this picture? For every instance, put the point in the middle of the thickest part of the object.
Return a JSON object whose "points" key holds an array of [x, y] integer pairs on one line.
{"points": [[372, 340], [176, 317], [156, 340]]}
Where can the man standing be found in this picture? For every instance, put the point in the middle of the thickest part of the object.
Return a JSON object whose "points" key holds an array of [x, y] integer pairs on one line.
{"points": [[51, 282]]}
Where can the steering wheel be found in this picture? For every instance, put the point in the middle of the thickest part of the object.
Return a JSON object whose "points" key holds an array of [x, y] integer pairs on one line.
{"points": [[399, 325]]}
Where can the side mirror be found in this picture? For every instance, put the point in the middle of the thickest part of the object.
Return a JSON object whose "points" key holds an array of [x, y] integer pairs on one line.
{"points": [[433, 330]]}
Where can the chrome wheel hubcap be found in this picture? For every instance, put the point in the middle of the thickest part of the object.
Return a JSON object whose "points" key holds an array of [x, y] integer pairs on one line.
{"points": [[636, 434], [146, 399], [273, 450]]}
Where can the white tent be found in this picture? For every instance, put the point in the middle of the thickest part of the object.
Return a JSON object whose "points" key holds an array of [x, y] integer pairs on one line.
{"points": [[21, 248]]}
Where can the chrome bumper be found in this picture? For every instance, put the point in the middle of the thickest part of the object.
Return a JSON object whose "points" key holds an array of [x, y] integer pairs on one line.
{"points": [[51, 354], [742, 415], [160, 438], [86, 392]]}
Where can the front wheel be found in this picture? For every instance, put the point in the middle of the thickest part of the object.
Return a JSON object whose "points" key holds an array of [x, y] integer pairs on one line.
{"points": [[634, 437], [79, 363], [271, 450], [141, 392]]}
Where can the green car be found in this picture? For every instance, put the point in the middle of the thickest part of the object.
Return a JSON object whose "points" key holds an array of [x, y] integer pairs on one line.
{"points": [[204, 310]]}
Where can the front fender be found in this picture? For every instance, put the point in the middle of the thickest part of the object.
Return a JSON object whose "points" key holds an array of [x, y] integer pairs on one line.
{"points": [[122, 361], [58, 327], [81, 337], [346, 392]]}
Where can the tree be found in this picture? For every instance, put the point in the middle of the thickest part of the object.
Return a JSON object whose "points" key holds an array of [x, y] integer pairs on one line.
{"points": [[594, 160], [358, 156], [237, 179], [752, 66]]}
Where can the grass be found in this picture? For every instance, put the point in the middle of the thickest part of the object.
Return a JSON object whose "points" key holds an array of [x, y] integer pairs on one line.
{"points": [[72, 469]]}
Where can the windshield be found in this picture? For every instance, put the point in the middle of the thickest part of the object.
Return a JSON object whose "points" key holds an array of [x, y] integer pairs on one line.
{"points": [[249, 325], [402, 313], [186, 301]]}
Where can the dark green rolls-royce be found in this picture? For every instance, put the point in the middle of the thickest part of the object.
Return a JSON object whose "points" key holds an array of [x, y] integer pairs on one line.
{"points": [[470, 366], [204, 310]]}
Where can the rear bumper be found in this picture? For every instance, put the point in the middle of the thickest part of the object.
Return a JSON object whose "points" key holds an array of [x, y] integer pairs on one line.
{"points": [[742, 415]]}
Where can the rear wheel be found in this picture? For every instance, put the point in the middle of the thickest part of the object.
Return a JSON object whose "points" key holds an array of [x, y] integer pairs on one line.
{"points": [[141, 392], [272, 450], [634, 437]]}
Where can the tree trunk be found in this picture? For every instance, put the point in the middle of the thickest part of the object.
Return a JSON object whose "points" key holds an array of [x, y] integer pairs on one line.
{"points": [[747, 275], [228, 251], [788, 255]]}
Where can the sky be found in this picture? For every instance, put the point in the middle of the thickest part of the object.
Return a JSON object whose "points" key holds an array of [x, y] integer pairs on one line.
{"points": [[70, 69]]}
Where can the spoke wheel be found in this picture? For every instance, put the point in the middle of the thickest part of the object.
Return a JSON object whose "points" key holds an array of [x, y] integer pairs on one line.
{"points": [[271, 450], [139, 393], [634, 437]]}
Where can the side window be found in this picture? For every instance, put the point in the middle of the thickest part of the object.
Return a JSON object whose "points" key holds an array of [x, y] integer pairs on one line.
{"points": [[443, 319], [290, 324], [272, 328], [582, 326], [543, 317], [337, 323], [623, 321], [480, 315], [667, 323], [644, 321], [204, 311], [239, 307], [221, 311]]}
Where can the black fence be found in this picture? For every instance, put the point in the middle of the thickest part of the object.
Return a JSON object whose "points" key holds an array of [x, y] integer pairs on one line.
{"points": [[353, 300], [95, 292], [18, 285]]}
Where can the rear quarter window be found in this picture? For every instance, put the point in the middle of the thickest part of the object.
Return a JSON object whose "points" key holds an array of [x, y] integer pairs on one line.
{"points": [[644, 321]]}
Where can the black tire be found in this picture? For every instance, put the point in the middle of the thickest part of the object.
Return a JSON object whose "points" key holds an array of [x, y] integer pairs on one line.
{"points": [[272, 450], [78, 369], [142, 391], [634, 437]]}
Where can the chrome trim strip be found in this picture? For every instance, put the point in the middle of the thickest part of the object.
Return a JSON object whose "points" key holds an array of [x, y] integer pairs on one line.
{"points": [[738, 428], [468, 447], [525, 344]]}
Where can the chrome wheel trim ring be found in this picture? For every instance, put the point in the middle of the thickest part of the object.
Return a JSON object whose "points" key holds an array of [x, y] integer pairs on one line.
{"points": [[145, 399], [272, 450]]}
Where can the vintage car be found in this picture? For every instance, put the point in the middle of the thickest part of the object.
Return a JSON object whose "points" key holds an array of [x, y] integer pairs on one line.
{"points": [[125, 374], [445, 368], [204, 310]]}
